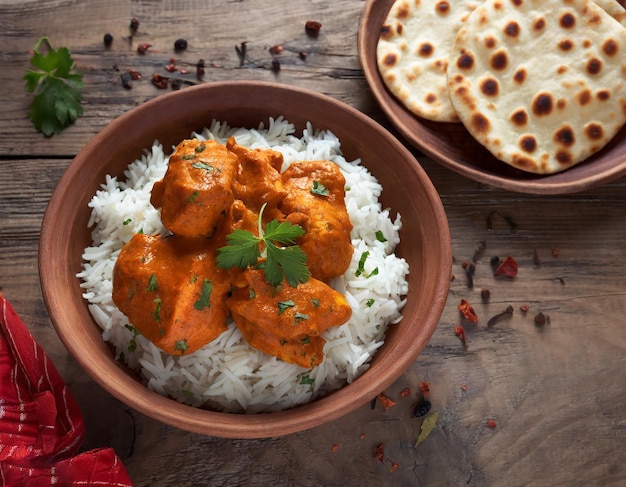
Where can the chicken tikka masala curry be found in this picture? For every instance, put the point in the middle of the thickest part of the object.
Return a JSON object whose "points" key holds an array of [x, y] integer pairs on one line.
{"points": [[179, 290]]}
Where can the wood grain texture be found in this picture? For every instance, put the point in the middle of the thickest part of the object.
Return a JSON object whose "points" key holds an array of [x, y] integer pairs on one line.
{"points": [[557, 392]]}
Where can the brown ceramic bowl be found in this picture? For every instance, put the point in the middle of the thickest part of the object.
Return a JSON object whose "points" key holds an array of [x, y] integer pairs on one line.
{"points": [[453, 147], [171, 118]]}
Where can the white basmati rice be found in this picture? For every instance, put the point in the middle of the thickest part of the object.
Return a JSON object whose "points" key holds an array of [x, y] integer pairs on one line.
{"points": [[227, 374]]}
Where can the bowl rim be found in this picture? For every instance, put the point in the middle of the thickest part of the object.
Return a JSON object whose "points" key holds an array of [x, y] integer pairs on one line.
{"points": [[198, 420], [553, 184]]}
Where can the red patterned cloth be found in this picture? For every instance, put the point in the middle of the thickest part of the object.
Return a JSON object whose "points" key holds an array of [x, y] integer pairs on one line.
{"points": [[41, 426]]}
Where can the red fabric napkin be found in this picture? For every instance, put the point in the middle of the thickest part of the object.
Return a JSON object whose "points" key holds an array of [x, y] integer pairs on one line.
{"points": [[41, 426]]}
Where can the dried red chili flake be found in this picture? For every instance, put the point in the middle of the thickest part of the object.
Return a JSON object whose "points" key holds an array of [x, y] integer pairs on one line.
{"points": [[405, 392], [524, 308], [467, 311], [134, 74], [385, 401], [460, 333], [160, 81], [170, 68], [183, 71], [336, 447], [394, 466], [463, 387], [312, 27], [506, 268], [143, 48], [425, 388], [491, 423], [277, 49], [378, 452], [362, 437], [555, 252]]}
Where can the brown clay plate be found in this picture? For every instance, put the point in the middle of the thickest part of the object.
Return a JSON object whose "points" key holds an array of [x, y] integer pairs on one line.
{"points": [[453, 147]]}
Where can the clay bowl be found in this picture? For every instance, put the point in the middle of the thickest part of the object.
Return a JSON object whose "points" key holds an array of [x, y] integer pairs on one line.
{"points": [[452, 146], [173, 117]]}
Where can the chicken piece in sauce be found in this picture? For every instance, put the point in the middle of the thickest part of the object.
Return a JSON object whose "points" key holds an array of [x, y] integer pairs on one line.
{"points": [[285, 321], [196, 194], [172, 291], [315, 201], [258, 181]]}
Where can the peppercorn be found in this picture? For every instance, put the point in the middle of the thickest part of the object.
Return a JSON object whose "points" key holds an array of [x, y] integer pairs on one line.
{"points": [[180, 45], [134, 25], [200, 69], [108, 40]]}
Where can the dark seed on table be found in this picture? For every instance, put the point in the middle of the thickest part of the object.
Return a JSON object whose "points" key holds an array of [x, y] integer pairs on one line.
{"points": [[108, 40], [421, 409], [180, 45]]}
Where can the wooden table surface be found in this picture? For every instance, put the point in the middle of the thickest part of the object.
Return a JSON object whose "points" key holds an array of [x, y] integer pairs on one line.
{"points": [[556, 392]]}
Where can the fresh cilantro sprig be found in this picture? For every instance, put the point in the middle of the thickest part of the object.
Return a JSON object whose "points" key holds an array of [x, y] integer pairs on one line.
{"points": [[284, 260], [56, 87]]}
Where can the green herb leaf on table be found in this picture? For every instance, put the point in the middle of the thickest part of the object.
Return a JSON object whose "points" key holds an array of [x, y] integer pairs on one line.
{"points": [[283, 259], [428, 425], [56, 87]]}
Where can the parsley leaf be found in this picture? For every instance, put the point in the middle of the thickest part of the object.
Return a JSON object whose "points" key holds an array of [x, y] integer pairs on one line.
{"points": [[319, 189], [283, 259], [56, 87], [204, 300]]}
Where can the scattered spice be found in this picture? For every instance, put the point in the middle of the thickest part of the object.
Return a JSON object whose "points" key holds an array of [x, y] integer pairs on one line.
{"points": [[467, 311], [536, 259], [277, 49], [405, 392], [425, 388], [362, 437], [108, 40], [302, 55], [160, 81], [460, 333], [394, 466], [176, 84], [134, 25], [555, 252], [463, 387], [135, 75], [126, 79], [336, 447], [275, 65], [378, 452], [524, 308], [540, 319], [421, 408], [470, 268], [171, 68], [241, 52], [180, 45], [494, 262], [507, 268], [511, 223], [508, 312], [143, 48], [200, 69], [479, 251], [312, 28], [428, 425], [485, 294], [491, 423], [385, 401]]}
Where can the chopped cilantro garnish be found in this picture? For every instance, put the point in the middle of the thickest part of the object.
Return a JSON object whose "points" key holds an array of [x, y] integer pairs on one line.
{"points": [[361, 266], [157, 311], [152, 284], [193, 196], [127, 221], [306, 380], [380, 236], [202, 165], [370, 302], [284, 305], [200, 148], [204, 301], [189, 157], [319, 189], [315, 302], [181, 345], [306, 340], [300, 316]]}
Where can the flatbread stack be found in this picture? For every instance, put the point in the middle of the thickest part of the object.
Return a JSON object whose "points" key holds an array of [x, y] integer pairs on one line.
{"points": [[541, 84], [413, 51]]}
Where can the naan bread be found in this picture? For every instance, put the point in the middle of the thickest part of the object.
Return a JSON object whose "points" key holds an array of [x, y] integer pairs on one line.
{"points": [[413, 51], [540, 83], [614, 8]]}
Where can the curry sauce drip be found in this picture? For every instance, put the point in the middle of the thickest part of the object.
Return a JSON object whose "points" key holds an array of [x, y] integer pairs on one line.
{"points": [[171, 289]]}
